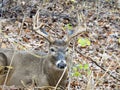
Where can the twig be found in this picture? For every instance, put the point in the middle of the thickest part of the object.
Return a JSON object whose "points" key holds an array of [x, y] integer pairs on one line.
{"points": [[10, 65], [60, 78], [45, 87], [70, 66], [8, 70], [88, 58], [107, 70]]}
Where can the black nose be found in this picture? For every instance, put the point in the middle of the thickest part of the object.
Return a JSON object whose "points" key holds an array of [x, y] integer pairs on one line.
{"points": [[61, 65]]}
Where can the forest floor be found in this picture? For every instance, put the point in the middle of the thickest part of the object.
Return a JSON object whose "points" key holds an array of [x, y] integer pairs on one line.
{"points": [[95, 66]]}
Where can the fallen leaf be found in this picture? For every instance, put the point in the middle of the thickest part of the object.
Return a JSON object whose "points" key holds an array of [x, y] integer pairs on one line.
{"points": [[84, 42]]}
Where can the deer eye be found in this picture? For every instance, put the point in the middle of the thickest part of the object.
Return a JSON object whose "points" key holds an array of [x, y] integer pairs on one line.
{"points": [[52, 49]]}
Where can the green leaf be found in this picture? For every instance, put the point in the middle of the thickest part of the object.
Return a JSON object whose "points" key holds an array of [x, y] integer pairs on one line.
{"points": [[86, 66], [76, 74], [68, 27], [75, 69], [89, 72], [84, 42], [80, 66]]}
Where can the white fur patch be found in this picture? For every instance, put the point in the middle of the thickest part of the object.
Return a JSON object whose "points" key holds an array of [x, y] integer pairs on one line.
{"points": [[59, 61]]}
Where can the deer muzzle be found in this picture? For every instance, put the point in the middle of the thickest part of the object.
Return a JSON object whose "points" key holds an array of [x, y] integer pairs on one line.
{"points": [[61, 64]]}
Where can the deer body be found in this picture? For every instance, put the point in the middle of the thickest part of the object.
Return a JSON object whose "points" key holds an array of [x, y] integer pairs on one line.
{"points": [[39, 71], [28, 67]]}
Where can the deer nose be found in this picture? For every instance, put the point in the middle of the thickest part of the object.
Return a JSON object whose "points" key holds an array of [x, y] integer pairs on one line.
{"points": [[61, 64]]}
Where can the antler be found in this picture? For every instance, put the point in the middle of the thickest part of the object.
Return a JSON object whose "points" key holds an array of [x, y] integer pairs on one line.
{"points": [[36, 27], [78, 30]]}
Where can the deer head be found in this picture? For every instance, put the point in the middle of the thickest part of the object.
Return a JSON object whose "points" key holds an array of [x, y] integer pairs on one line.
{"points": [[58, 49]]}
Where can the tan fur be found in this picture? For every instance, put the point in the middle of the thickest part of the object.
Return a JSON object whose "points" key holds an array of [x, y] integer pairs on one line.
{"points": [[31, 66]]}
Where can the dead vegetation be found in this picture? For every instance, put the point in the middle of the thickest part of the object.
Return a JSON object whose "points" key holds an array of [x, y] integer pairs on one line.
{"points": [[101, 19]]}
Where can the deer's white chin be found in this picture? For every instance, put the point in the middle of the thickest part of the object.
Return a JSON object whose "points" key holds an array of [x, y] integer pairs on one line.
{"points": [[59, 69]]}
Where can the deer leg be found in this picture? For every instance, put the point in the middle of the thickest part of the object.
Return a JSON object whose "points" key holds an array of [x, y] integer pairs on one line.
{"points": [[30, 84]]}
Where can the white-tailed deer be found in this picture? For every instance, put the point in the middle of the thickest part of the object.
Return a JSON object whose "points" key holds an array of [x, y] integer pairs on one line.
{"points": [[30, 68]]}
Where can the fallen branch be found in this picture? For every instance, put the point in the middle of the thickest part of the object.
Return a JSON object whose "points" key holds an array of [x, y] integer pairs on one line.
{"points": [[88, 58]]}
